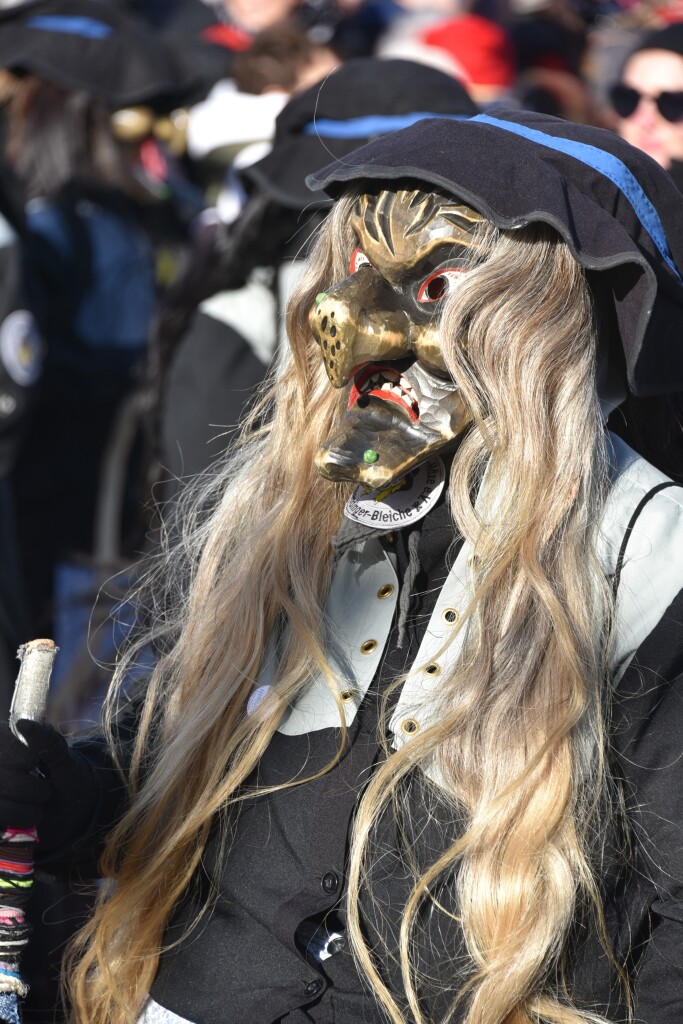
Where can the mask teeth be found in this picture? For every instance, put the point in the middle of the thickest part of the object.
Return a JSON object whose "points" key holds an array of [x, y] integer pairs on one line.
{"points": [[393, 382]]}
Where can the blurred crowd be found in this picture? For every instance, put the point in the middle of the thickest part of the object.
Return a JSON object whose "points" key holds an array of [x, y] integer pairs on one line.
{"points": [[154, 218]]}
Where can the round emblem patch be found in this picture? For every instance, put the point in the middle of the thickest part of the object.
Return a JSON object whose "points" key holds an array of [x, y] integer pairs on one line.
{"points": [[21, 347], [401, 503]]}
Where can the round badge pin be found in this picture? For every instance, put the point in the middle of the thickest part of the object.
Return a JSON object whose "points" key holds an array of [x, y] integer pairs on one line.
{"points": [[21, 347], [402, 503]]}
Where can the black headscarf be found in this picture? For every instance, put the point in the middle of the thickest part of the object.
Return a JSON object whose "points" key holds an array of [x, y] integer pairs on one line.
{"points": [[618, 211]]}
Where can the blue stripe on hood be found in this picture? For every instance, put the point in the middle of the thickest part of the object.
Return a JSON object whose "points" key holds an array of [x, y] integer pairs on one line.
{"points": [[605, 163], [89, 28], [371, 124]]}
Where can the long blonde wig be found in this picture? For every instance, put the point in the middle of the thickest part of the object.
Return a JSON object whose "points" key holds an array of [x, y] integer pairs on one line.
{"points": [[251, 553]]}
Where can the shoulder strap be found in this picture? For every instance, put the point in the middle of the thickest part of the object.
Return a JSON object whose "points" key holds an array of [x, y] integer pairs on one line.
{"points": [[629, 529]]}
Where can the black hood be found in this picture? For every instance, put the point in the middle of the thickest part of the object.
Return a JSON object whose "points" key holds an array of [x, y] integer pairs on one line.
{"points": [[619, 212], [362, 99], [96, 47]]}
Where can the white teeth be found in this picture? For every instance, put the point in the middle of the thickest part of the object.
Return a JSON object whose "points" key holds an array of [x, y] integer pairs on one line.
{"points": [[391, 382]]}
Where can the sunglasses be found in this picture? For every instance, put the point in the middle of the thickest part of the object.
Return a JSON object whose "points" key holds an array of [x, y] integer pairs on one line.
{"points": [[625, 99]]}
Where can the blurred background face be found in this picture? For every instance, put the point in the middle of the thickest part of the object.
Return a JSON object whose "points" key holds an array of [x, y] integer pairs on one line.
{"points": [[652, 72], [259, 14]]}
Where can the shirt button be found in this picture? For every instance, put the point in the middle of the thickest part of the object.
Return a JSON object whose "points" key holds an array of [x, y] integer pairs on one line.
{"points": [[330, 883], [313, 987]]}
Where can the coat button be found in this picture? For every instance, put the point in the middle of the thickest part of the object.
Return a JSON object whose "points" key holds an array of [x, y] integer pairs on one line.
{"points": [[330, 883], [313, 987]]}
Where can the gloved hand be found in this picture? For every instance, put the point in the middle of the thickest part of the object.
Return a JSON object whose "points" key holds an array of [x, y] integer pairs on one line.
{"points": [[44, 783]]}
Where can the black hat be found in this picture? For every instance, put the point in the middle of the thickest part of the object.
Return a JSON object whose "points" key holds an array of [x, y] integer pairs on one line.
{"points": [[96, 47], [618, 211], [364, 98], [669, 38]]}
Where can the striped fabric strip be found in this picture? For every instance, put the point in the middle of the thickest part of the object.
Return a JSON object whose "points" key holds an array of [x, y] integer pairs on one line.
{"points": [[19, 835], [16, 867]]}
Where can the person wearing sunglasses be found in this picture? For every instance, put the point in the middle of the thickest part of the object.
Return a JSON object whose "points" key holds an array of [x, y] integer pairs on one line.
{"points": [[648, 99]]}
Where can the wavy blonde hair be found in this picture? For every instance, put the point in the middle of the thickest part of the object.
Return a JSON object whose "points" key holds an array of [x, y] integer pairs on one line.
{"points": [[252, 552]]}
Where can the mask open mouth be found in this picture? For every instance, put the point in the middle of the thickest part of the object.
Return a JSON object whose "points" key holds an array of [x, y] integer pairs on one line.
{"points": [[387, 383], [397, 415]]}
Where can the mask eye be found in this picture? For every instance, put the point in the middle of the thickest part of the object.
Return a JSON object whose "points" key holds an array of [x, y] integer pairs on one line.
{"points": [[358, 260], [439, 284]]}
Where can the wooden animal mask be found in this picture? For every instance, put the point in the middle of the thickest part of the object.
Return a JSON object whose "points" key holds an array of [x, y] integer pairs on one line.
{"points": [[378, 332]]}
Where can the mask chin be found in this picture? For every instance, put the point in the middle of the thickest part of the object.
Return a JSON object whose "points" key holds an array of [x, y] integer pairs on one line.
{"points": [[399, 445], [379, 442]]}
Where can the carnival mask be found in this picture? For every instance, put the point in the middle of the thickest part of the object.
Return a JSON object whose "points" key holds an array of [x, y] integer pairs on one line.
{"points": [[378, 331]]}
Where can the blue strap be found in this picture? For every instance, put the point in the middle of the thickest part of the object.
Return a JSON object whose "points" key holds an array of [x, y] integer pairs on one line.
{"points": [[371, 124], [89, 28], [605, 163]]}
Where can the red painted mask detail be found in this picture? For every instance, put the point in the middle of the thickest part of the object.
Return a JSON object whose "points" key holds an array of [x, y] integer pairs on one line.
{"points": [[389, 385], [439, 284], [358, 260]]}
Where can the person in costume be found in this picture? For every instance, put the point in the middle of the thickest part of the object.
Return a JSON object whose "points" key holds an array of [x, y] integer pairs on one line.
{"points": [[222, 322], [411, 747]]}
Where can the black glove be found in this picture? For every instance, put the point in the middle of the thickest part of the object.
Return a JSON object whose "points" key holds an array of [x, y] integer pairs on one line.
{"points": [[45, 783]]}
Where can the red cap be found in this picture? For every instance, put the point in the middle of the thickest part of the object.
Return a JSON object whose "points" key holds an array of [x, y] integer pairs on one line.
{"points": [[229, 36], [481, 47]]}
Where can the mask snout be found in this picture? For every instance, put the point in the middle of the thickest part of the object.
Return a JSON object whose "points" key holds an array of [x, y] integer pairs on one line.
{"points": [[358, 321]]}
